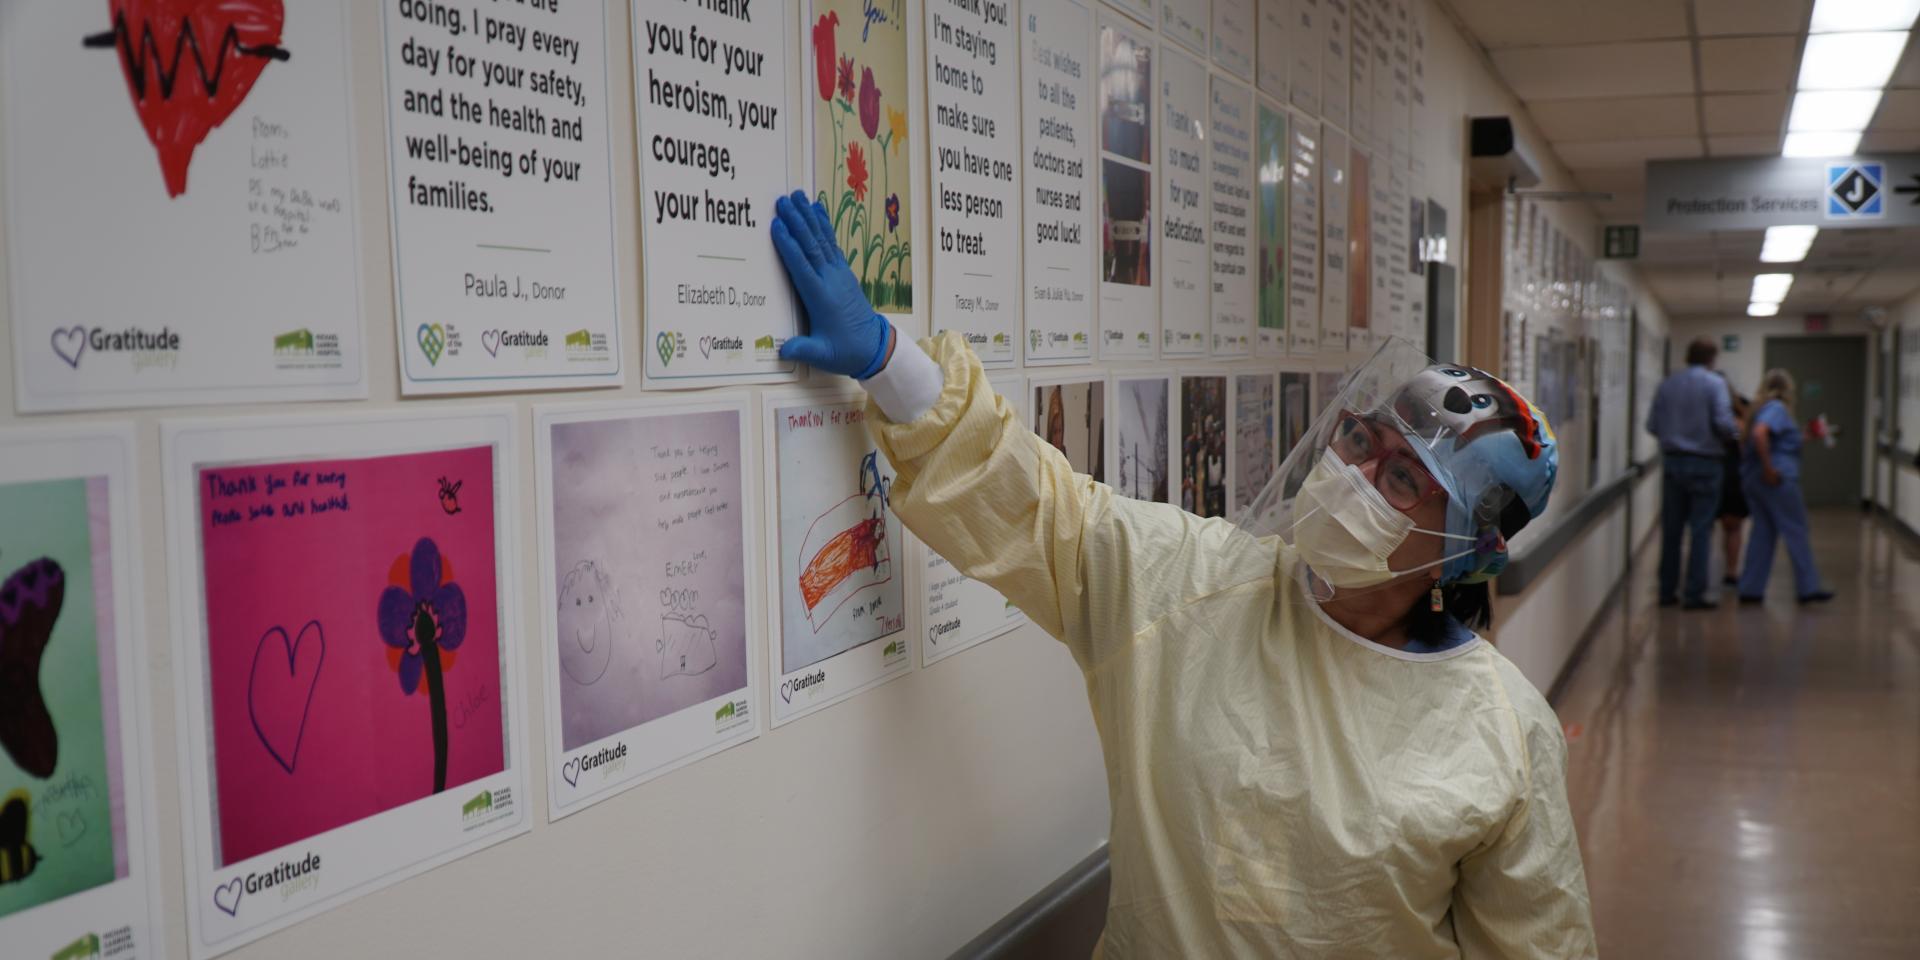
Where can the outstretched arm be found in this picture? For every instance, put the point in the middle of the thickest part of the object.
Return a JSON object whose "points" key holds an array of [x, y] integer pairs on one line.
{"points": [[988, 494]]}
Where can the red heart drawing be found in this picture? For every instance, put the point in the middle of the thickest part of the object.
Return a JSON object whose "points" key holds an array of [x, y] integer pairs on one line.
{"points": [[188, 65]]}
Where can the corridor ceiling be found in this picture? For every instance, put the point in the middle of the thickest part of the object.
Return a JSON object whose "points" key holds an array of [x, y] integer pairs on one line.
{"points": [[1614, 84]]}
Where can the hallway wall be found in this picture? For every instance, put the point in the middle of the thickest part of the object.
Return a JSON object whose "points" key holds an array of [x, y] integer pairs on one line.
{"points": [[907, 819]]}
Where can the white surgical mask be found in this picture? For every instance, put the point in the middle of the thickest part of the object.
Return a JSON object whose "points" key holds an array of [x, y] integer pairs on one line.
{"points": [[1345, 529]]}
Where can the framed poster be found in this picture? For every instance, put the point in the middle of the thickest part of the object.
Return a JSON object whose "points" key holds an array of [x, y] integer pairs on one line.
{"points": [[1231, 186], [1058, 106], [960, 612], [1143, 443], [76, 754], [1129, 314], [173, 238], [501, 198], [1186, 273], [349, 695], [649, 639]]}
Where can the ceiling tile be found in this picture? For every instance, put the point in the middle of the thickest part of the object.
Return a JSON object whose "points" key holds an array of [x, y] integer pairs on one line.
{"points": [[1611, 153], [1748, 17], [1597, 70], [1747, 146], [1503, 23], [1891, 141], [1887, 285], [1748, 63], [1745, 112], [1899, 110], [1606, 119]]}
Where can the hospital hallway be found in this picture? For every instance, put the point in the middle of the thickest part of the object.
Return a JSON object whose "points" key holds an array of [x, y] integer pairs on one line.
{"points": [[1746, 780]]}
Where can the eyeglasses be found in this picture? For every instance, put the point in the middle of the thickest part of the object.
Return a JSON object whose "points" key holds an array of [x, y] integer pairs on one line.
{"points": [[1401, 477]]}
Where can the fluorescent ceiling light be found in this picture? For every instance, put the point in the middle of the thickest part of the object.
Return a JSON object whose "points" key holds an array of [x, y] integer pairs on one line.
{"points": [[1787, 244], [1832, 110], [1850, 61], [1837, 143], [1843, 16], [1771, 287], [1762, 309]]}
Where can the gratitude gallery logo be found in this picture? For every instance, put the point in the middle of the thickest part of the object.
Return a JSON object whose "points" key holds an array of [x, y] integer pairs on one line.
{"points": [[290, 875], [790, 687], [495, 340], [148, 347], [574, 769]]}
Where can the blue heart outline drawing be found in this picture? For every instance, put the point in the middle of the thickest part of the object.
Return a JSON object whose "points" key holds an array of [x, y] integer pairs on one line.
{"points": [[75, 332], [232, 888], [570, 772], [291, 647]]}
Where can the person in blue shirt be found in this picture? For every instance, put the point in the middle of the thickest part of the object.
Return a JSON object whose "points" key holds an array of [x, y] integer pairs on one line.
{"points": [[1770, 475], [1693, 417]]}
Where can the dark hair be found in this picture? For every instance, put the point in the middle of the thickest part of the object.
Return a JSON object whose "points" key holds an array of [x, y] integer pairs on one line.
{"points": [[1469, 606], [1701, 352]]}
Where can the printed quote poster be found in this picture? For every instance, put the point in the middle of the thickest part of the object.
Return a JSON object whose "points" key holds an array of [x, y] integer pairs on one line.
{"points": [[960, 612], [644, 585], [1057, 100], [1233, 36], [501, 196], [861, 54], [1186, 263], [349, 701], [714, 122], [1308, 35], [840, 618], [1360, 70], [1185, 22], [1359, 252], [1273, 47], [1303, 237], [1230, 159], [77, 848], [1336, 75], [1335, 156], [1129, 308], [180, 204], [975, 133]]}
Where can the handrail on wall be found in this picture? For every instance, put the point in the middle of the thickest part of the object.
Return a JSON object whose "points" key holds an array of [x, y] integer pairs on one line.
{"points": [[1524, 569]]}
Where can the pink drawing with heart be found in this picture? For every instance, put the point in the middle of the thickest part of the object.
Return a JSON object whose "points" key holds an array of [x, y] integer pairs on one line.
{"points": [[188, 65], [280, 692], [491, 340]]}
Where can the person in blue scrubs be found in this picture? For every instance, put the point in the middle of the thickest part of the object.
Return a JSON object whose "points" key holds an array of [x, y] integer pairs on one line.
{"points": [[1692, 414], [1770, 476]]}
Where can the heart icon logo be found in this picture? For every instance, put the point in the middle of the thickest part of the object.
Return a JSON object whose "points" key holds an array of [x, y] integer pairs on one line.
{"points": [[663, 344], [188, 65], [432, 339], [570, 772], [280, 691], [491, 340], [227, 896], [706, 346], [786, 690], [70, 343]]}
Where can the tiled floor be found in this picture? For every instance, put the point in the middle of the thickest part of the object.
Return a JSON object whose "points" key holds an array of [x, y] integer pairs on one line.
{"points": [[1746, 780]]}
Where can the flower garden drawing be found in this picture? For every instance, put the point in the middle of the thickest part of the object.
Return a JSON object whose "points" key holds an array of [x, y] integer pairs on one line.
{"points": [[860, 135]]}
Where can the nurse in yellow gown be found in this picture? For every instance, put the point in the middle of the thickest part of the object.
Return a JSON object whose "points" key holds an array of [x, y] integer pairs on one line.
{"points": [[1304, 757]]}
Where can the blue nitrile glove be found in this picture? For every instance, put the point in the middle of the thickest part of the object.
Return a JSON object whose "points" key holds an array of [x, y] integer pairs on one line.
{"points": [[844, 334]]}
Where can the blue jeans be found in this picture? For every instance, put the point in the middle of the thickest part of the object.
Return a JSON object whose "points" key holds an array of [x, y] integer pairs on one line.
{"points": [[1689, 500], [1778, 513]]}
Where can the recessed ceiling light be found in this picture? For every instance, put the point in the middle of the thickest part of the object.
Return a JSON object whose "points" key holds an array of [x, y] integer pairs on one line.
{"points": [[1762, 309], [1842, 16], [1850, 61], [1787, 244], [1771, 287], [1837, 143], [1831, 110]]}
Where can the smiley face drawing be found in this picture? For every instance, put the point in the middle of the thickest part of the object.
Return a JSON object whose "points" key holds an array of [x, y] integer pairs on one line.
{"points": [[588, 614]]}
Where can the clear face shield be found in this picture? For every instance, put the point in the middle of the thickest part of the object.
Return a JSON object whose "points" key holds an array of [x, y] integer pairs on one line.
{"points": [[1413, 471]]}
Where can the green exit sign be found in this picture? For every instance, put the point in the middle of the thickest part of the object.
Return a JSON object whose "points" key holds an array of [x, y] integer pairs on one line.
{"points": [[1622, 242]]}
